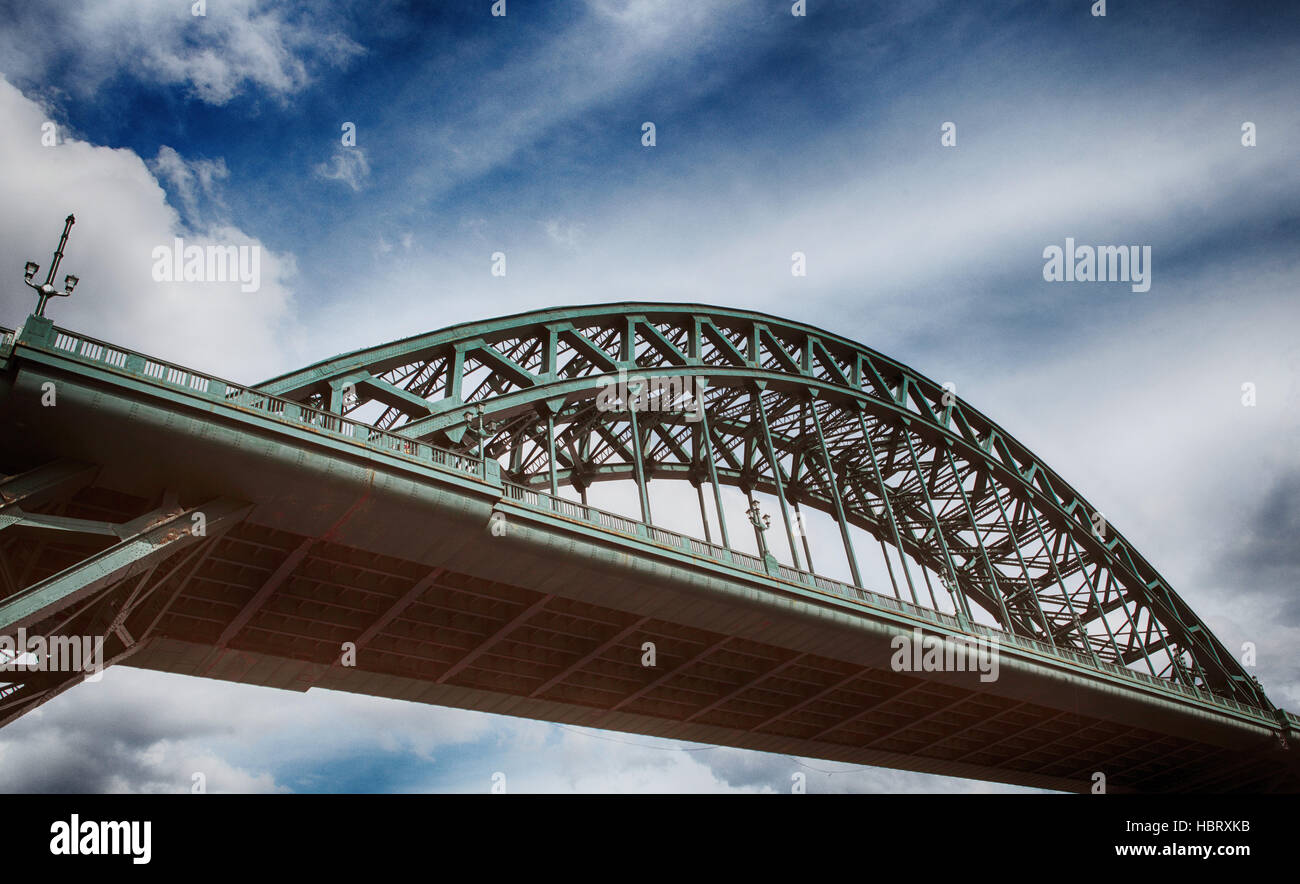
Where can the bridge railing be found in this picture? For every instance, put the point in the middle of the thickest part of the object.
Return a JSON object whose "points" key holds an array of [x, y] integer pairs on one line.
{"points": [[166, 374], [685, 543]]}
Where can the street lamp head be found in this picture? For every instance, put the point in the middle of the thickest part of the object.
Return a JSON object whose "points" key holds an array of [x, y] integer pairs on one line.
{"points": [[45, 290], [469, 416]]}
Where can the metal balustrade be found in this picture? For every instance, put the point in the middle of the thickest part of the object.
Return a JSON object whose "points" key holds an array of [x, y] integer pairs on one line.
{"points": [[632, 528], [86, 349], [752, 563]]}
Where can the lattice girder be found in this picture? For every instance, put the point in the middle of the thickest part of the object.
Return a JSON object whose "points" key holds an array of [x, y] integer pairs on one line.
{"points": [[806, 416]]}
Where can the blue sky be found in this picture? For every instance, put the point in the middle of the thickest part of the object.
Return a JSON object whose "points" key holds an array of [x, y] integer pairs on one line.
{"points": [[775, 134]]}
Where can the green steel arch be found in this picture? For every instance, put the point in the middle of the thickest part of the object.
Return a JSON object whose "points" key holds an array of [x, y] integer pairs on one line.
{"points": [[807, 416]]}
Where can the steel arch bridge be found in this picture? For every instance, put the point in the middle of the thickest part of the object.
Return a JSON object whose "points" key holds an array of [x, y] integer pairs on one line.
{"points": [[315, 487], [813, 419]]}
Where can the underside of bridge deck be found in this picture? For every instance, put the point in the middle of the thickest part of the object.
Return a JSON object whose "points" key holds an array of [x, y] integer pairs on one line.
{"points": [[261, 605]]}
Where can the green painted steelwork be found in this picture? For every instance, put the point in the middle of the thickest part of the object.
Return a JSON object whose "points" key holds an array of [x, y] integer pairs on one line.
{"points": [[162, 536], [598, 523], [892, 483], [906, 496], [835, 495]]}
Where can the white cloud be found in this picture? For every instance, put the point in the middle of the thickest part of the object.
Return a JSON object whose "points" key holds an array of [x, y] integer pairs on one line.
{"points": [[905, 244], [190, 180], [563, 234], [236, 45], [122, 216], [243, 738], [615, 49], [348, 165]]}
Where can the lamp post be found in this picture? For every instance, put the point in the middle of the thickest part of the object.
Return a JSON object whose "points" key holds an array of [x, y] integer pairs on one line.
{"points": [[46, 290], [476, 416], [761, 523]]}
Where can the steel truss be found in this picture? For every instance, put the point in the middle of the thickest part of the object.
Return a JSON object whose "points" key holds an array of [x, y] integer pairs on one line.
{"points": [[116, 581], [811, 418]]}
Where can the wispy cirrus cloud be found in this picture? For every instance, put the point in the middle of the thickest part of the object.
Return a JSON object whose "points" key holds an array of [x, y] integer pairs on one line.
{"points": [[233, 46], [348, 166], [190, 180]]}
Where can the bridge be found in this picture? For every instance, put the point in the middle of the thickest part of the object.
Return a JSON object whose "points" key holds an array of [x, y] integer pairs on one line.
{"points": [[413, 521]]}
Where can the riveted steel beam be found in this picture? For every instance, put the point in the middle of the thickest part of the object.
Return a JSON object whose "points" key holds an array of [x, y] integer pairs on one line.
{"points": [[166, 536]]}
